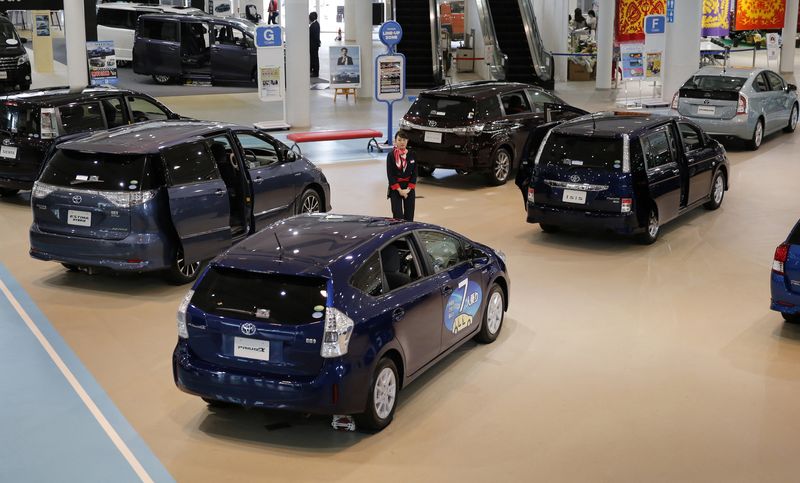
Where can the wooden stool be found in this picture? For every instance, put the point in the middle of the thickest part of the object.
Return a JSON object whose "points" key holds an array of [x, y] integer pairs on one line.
{"points": [[345, 91]]}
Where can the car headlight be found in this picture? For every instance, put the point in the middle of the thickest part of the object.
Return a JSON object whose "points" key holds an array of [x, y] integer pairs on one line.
{"points": [[22, 59], [183, 331]]}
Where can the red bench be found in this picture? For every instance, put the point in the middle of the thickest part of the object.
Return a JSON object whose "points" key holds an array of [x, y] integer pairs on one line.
{"points": [[314, 136]]}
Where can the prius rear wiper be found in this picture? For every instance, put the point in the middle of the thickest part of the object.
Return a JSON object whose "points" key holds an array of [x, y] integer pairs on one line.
{"points": [[82, 181], [237, 311]]}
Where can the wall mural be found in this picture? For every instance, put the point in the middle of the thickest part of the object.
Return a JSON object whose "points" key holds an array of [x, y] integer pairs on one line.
{"points": [[760, 14], [716, 18], [630, 17]]}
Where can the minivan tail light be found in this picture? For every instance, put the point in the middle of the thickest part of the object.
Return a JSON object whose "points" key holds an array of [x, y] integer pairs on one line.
{"points": [[626, 153], [675, 100], [183, 331], [531, 195], [741, 108], [41, 190], [541, 147], [338, 329], [128, 199], [781, 254], [625, 205]]}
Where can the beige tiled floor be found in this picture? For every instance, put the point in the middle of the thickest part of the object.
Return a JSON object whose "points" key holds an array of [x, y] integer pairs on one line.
{"points": [[617, 362]]}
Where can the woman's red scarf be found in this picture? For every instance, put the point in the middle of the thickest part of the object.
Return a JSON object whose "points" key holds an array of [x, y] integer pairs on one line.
{"points": [[400, 158]]}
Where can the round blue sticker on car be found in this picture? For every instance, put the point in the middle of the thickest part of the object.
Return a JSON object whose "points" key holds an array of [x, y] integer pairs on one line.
{"points": [[462, 306]]}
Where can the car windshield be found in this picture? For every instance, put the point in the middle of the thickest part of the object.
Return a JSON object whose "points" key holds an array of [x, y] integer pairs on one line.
{"points": [[451, 108], [715, 83], [277, 299], [19, 119], [99, 171], [589, 152], [7, 33]]}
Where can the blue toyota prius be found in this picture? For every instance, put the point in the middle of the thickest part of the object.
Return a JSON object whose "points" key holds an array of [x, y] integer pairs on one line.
{"points": [[334, 314], [785, 278]]}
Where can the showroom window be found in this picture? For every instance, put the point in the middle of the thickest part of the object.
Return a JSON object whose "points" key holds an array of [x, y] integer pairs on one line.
{"points": [[190, 163], [144, 110], [77, 118], [369, 278], [443, 251], [159, 30], [258, 152]]}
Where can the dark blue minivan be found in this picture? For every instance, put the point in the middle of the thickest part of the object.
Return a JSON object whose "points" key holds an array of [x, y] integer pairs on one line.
{"points": [[166, 195], [334, 314], [785, 279]]}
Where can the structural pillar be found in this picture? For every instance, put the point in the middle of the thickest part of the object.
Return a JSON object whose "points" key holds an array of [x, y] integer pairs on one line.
{"points": [[682, 54], [75, 38], [605, 42], [298, 94], [350, 29], [789, 35], [364, 38]]}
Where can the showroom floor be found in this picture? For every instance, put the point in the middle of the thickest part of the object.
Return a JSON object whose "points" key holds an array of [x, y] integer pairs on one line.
{"points": [[618, 362]]}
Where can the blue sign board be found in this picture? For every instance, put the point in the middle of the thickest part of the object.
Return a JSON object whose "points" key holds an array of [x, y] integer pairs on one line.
{"points": [[390, 33], [671, 11], [268, 36], [654, 24]]}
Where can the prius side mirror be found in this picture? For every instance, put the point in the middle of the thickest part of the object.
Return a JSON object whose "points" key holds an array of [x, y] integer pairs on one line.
{"points": [[24, 40], [289, 155], [791, 87]]}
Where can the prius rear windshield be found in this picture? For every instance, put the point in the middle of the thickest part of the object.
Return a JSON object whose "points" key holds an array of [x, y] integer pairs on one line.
{"points": [[273, 298], [715, 83], [450, 108], [577, 151], [102, 172], [794, 237], [19, 119]]}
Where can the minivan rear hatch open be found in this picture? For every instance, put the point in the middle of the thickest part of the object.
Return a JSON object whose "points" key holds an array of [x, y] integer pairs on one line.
{"points": [[261, 322], [711, 96], [91, 194], [582, 173]]}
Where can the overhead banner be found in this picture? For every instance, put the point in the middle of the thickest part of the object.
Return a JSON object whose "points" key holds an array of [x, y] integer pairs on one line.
{"points": [[760, 14], [630, 17], [716, 21]]}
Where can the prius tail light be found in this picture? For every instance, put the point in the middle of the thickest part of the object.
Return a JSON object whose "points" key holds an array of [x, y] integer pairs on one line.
{"points": [[338, 329], [626, 204], [741, 107], [781, 255]]}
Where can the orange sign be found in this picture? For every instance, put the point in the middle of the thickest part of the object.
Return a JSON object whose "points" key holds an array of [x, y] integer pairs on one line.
{"points": [[760, 14], [630, 17]]}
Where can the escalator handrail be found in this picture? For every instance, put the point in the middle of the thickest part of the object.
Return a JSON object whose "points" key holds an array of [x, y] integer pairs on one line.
{"points": [[542, 60], [498, 60], [436, 43]]}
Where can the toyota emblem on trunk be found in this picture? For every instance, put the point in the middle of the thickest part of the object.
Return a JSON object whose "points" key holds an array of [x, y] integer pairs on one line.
{"points": [[575, 178], [77, 199], [432, 123], [248, 328]]}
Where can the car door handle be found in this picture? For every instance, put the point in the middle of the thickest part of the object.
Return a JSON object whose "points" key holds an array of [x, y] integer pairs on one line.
{"points": [[258, 179], [219, 192], [398, 314], [447, 290]]}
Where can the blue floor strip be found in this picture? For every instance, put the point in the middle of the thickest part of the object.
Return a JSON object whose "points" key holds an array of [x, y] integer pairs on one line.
{"points": [[47, 432]]}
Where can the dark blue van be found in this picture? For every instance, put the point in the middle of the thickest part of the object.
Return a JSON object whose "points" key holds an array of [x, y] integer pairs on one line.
{"points": [[785, 279], [334, 314], [166, 195], [625, 172]]}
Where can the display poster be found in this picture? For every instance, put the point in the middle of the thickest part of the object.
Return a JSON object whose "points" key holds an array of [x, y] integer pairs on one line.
{"points": [[630, 17], [102, 62], [716, 18], [760, 14], [655, 44], [42, 25], [390, 85], [269, 86], [345, 66], [653, 65], [221, 8], [773, 46], [47, 122], [632, 61]]}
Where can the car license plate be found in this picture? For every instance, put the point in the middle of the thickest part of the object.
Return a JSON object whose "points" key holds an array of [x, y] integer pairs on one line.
{"points": [[706, 110], [574, 196], [251, 348], [9, 152], [79, 218], [3, 74], [433, 137]]}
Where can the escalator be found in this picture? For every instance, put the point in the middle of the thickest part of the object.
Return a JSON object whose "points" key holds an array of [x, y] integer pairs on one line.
{"points": [[420, 42]]}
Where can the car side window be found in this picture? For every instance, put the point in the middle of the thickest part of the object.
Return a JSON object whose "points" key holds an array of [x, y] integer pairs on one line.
{"points": [[229, 35], [760, 83], [144, 110], [539, 99], [515, 103], [775, 81], [115, 112], [258, 152], [190, 163], [443, 251], [399, 264], [656, 147], [84, 117], [159, 30], [488, 109], [369, 278], [692, 139]]}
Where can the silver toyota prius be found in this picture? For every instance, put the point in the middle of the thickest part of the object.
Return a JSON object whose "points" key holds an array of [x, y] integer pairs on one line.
{"points": [[739, 103]]}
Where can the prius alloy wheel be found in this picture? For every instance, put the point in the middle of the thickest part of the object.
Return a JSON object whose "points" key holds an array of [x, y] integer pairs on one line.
{"points": [[309, 203], [717, 192], [493, 317], [501, 167], [758, 136], [792, 120], [181, 271], [382, 397]]}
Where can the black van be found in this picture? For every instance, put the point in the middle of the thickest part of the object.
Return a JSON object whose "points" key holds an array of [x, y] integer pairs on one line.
{"points": [[31, 121], [175, 47], [15, 67], [625, 172]]}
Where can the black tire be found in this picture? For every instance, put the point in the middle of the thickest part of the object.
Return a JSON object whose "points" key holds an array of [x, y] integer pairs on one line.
{"points": [[501, 167], [548, 228], [214, 403], [8, 192], [792, 119], [492, 316], [162, 79], [758, 136], [653, 229], [309, 202], [425, 171], [717, 192], [24, 87], [378, 415], [70, 267], [180, 273], [791, 318]]}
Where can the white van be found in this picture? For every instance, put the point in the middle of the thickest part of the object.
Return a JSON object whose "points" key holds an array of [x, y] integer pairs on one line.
{"points": [[117, 22]]}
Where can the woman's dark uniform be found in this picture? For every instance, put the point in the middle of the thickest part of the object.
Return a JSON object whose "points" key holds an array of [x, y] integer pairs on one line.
{"points": [[401, 170]]}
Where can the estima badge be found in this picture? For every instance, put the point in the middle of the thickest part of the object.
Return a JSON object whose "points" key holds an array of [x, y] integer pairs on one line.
{"points": [[77, 199], [248, 328]]}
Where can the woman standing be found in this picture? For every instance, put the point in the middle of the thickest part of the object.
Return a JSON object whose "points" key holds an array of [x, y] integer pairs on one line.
{"points": [[401, 171]]}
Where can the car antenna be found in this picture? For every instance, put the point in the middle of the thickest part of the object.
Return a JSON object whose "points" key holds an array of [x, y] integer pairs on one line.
{"points": [[280, 248]]}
